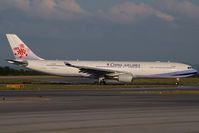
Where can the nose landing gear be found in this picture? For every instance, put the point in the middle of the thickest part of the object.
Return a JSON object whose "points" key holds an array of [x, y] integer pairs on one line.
{"points": [[177, 81]]}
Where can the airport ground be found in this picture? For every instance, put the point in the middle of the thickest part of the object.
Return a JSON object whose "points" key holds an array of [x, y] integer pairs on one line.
{"points": [[140, 110]]}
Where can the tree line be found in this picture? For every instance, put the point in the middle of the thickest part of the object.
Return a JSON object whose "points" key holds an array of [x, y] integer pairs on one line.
{"points": [[7, 71]]}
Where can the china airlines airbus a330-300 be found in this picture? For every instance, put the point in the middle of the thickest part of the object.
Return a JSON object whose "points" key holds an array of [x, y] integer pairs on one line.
{"points": [[121, 71]]}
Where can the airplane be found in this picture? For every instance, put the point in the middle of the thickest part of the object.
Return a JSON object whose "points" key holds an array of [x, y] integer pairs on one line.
{"points": [[122, 71]]}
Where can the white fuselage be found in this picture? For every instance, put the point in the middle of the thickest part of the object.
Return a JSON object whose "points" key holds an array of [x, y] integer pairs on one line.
{"points": [[137, 69]]}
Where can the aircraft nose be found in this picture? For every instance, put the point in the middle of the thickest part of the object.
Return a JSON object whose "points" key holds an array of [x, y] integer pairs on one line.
{"points": [[195, 71]]}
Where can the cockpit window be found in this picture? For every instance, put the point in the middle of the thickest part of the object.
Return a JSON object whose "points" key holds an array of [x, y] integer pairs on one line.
{"points": [[189, 67]]}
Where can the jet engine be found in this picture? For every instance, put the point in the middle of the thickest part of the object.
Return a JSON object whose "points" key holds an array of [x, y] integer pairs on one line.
{"points": [[125, 78]]}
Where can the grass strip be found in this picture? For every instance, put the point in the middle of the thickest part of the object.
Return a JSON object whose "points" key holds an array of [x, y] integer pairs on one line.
{"points": [[79, 87], [136, 81]]}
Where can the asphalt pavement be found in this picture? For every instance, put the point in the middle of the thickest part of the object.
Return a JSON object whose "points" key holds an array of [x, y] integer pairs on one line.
{"points": [[101, 111]]}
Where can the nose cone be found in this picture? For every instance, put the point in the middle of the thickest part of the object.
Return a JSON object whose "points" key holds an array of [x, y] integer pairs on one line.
{"points": [[194, 71]]}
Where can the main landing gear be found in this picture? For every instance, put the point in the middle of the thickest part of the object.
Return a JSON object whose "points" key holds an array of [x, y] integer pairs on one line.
{"points": [[101, 81]]}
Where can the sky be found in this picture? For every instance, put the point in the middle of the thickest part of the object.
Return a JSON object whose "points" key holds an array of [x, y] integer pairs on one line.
{"points": [[121, 30]]}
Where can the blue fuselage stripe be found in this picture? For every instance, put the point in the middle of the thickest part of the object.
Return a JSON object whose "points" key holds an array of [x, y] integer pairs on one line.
{"points": [[179, 73]]}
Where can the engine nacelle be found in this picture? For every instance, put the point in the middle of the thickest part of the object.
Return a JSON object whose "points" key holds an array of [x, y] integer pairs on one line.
{"points": [[125, 78]]}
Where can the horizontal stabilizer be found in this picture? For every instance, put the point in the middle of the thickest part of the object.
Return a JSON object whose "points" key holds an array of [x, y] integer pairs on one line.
{"points": [[19, 63]]}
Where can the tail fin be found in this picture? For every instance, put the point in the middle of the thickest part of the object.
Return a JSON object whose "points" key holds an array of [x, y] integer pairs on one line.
{"points": [[20, 50]]}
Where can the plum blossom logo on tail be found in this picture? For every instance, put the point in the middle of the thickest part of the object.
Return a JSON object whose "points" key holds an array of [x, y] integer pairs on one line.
{"points": [[21, 51]]}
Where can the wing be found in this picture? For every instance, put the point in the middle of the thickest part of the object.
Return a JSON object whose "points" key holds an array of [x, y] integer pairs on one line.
{"points": [[95, 71]]}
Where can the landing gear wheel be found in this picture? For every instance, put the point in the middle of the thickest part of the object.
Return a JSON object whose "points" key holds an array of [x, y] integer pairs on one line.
{"points": [[177, 83], [104, 82]]}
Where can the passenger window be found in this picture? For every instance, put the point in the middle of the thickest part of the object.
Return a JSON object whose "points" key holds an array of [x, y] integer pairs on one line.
{"points": [[189, 67]]}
